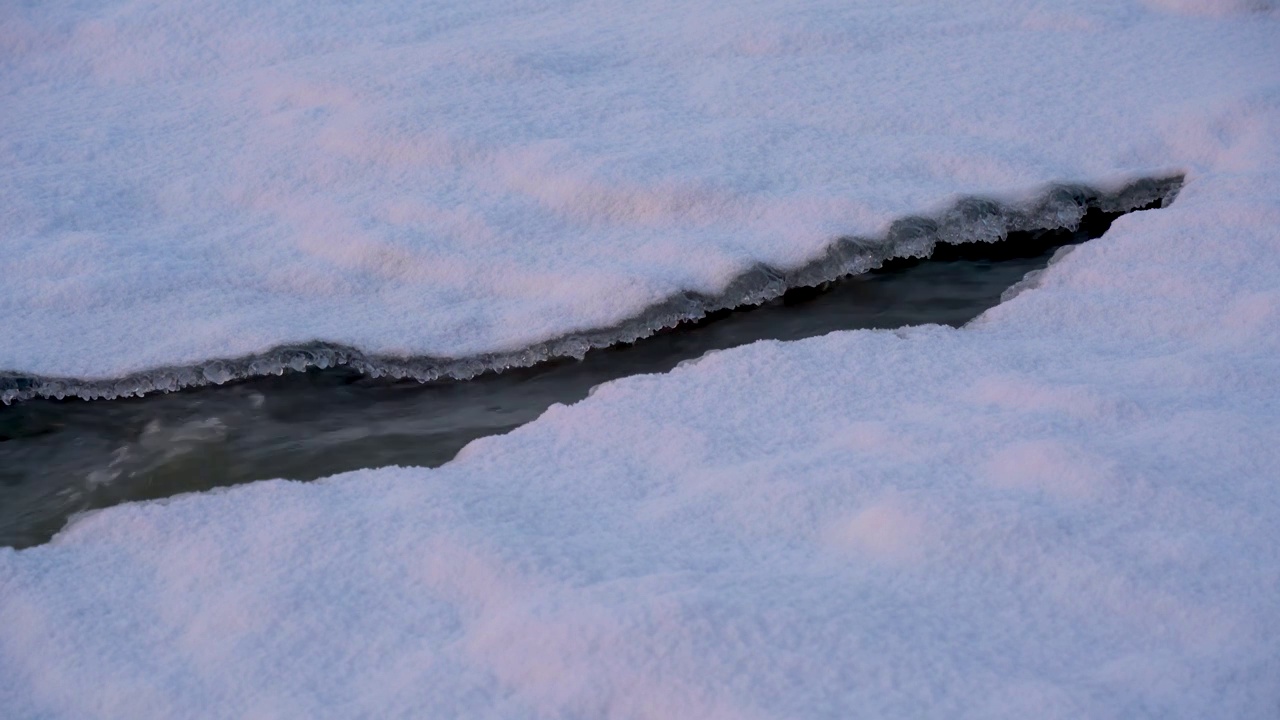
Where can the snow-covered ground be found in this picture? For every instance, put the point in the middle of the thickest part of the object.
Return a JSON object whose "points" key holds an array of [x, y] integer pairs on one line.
{"points": [[1069, 509]]}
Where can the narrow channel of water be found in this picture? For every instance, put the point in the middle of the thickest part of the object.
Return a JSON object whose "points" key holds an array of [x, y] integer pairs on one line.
{"points": [[61, 457]]}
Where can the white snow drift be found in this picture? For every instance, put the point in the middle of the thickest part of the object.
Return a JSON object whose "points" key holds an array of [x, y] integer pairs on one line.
{"points": [[1068, 509]]}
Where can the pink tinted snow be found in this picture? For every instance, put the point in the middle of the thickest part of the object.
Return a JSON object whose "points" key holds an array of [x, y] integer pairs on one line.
{"points": [[1066, 509]]}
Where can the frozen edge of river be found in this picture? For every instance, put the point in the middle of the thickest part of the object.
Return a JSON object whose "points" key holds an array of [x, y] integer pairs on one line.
{"points": [[972, 219]]}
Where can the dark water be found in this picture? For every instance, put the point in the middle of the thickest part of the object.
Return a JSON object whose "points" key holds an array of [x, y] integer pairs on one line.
{"points": [[60, 457]]}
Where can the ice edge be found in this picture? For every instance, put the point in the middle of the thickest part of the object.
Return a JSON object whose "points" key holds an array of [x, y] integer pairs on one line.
{"points": [[973, 219]]}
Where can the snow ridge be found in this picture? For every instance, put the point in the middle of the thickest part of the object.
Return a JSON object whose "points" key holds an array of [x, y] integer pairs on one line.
{"points": [[972, 219]]}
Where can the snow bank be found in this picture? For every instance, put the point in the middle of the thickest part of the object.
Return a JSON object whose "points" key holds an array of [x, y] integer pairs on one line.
{"points": [[970, 220], [469, 180], [1066, 509]]}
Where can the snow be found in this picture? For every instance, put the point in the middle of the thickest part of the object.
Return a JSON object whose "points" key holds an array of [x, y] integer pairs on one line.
{"points": [[215, 179], [1066, 509]]}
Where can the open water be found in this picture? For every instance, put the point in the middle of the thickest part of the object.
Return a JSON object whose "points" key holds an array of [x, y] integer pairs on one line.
{"points": [[62, 457]]}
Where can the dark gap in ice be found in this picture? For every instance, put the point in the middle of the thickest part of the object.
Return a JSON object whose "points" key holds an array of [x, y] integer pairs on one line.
{"points": [[61, 457]]}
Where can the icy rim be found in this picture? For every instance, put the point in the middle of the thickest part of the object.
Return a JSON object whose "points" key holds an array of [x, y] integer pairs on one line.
{"points": [[969, 220]]}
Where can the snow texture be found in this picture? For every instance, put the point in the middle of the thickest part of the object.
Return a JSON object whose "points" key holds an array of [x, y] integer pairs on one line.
{"points": [[467, 180], [1068, 508]]}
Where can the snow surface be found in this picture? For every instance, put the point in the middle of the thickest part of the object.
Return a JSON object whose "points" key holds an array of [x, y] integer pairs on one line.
{"points": [[1067, 509], [211, 179]]}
